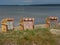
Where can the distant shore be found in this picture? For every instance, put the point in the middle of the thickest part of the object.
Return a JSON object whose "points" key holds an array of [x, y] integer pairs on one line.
{"points": [[34, 5]]}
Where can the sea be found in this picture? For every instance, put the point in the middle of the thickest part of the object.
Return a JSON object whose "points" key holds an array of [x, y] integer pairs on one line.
{"points": [[39, 13]]}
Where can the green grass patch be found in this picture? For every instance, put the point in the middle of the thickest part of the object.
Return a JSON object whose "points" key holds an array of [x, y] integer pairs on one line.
{"points": [[39, 36]]}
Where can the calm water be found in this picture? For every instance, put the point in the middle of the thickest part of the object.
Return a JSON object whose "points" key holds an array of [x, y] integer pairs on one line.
{"points": [[37, 12]]}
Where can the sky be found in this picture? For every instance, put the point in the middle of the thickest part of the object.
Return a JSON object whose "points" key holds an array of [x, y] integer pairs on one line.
{"points": [[27, 2]]}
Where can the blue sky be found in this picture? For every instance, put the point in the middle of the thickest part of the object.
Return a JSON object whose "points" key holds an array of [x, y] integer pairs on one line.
{"points": [[26, 2]]}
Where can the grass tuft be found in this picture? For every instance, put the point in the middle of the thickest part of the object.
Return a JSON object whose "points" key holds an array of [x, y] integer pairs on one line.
{"points": [[39, 36]]}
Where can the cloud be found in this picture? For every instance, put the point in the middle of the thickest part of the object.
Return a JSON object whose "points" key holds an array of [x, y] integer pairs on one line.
{"points": [[27, 0], [22, 0]]}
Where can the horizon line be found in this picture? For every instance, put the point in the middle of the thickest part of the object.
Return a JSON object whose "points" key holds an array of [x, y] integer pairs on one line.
{"points": [[30, 4]]}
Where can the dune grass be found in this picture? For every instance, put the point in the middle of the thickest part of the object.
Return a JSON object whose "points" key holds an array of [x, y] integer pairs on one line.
{"points": [[39, 36]]}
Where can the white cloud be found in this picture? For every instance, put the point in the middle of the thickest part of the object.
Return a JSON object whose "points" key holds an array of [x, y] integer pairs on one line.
{"points": [[22, 0], [27, 0]]}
